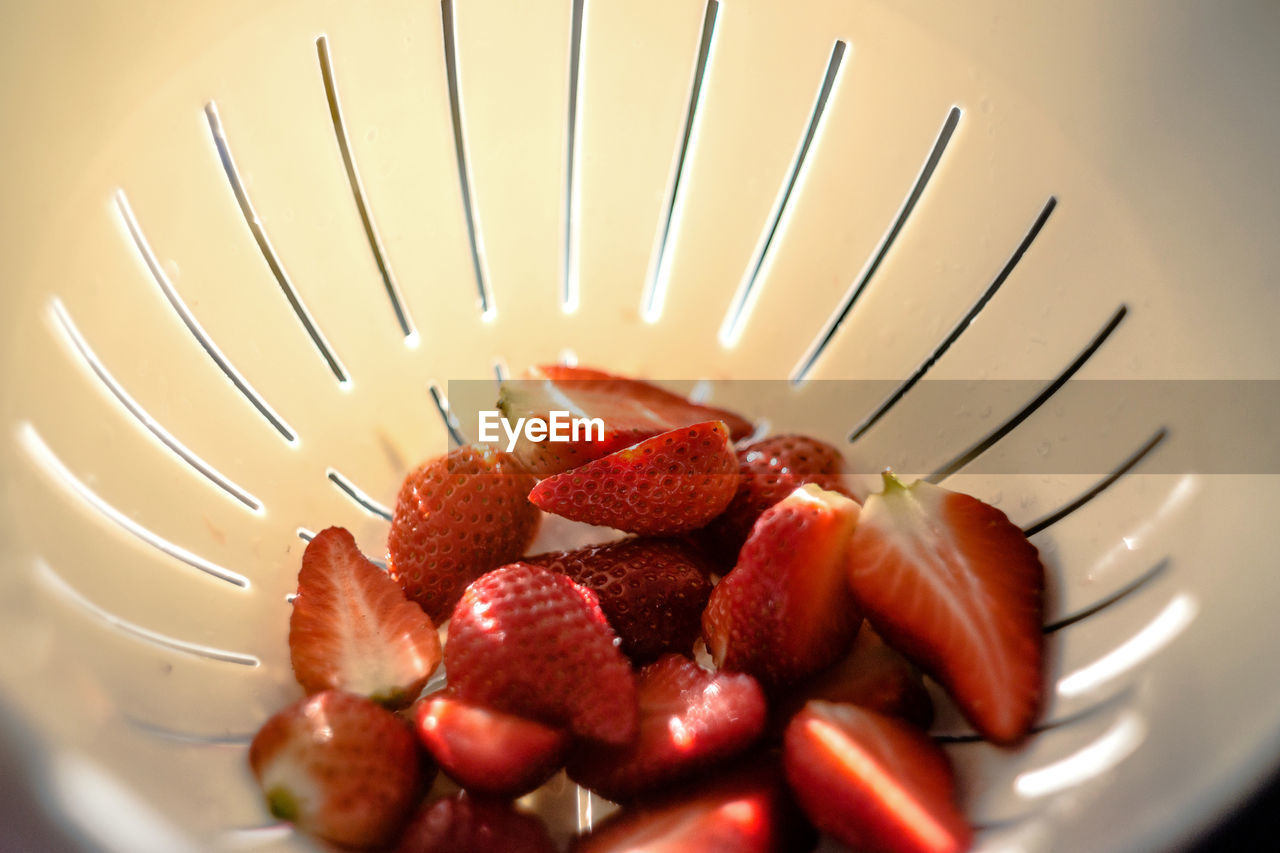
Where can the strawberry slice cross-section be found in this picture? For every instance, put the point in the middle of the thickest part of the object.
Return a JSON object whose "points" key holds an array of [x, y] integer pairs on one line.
{"points": [[955, 586], [631, 410], [672, 483], [353, 629]]}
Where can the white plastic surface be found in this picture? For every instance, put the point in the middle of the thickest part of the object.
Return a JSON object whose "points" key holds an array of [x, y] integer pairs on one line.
{"points": [[168, 424]]}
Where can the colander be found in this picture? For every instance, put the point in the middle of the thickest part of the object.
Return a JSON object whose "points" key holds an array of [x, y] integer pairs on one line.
{"points": [[248, 248]]}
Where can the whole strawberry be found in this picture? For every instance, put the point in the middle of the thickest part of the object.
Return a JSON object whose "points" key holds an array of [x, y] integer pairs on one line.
{"points": [[771, 469], [457, 517], [339, 767], [530, 642], [651, 590], [672, 483], [353, 629], [785, 611]]}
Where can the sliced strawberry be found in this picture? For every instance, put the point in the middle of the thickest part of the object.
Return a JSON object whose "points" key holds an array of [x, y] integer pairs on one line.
{"points": [[871, 676], [771, 469], [353, 629], [531, 642], [672, 483], [487, 751], [689, 719], [745, 809], [468, 824], [339, 767], [630, 410], [457, 517], [873, 782], [785, 611], [954, 585], [651, 590]]}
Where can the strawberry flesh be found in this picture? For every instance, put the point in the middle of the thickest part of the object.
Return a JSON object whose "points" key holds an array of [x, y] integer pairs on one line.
{"points": [[955, 586], [745, 809], [469, 824], [339, 767], [630, 409], [353, 629], [785, 611], [531, 642], [672, 483], [457, 517], [651, 590], [873, 782], [487, 751], [690, 719]]}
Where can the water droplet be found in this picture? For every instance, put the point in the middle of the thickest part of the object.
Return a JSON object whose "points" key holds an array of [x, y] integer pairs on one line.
{"points": [[996, 498], [985, 105], [1043, 448]]}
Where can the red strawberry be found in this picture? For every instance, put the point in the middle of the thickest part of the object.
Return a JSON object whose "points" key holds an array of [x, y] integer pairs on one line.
{"points": [[671, 483], [466, 824], [486, 751], [873, 782], [770, 470], [954, 585], [352, 628], [340, 767], [871, 676], [457, 517], [531, 642], [745, 809], [630, 410], [651, 590], [784, 611], [689, 719]]}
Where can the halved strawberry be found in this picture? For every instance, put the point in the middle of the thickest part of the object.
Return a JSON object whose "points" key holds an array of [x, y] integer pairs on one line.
{"points": [[871, 676], [785, 611], [531, 642], [744, 809], [690, 718], [651, 590], [468, 824], [487, 751], [954, 585], [339, 767], [873, 782], [631, 411], [353, 629], [672, 483], [771, 469], [457, 517]]}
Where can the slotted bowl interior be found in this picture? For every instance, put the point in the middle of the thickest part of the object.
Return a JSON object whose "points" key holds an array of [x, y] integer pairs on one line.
{"points": [[247, 247]]}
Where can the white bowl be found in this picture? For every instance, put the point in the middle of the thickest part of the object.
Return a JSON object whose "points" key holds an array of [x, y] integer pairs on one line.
{"points": [[242, 241]]}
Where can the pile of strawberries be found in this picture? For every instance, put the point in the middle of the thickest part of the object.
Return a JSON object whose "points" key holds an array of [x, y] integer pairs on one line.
{"points": [[742, 674]]}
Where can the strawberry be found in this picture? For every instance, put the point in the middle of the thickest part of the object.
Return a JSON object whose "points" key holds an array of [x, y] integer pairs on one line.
{"points": [[785, 611], [353, 629], [630, 410], [651, 590], [487, 751], [872, 676], [671, 483], [744, 809], [955, 586], [531, 642], [771, 469], [339, 767], [457, 517], [468, 824], [873, 782], [689, 719]]}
